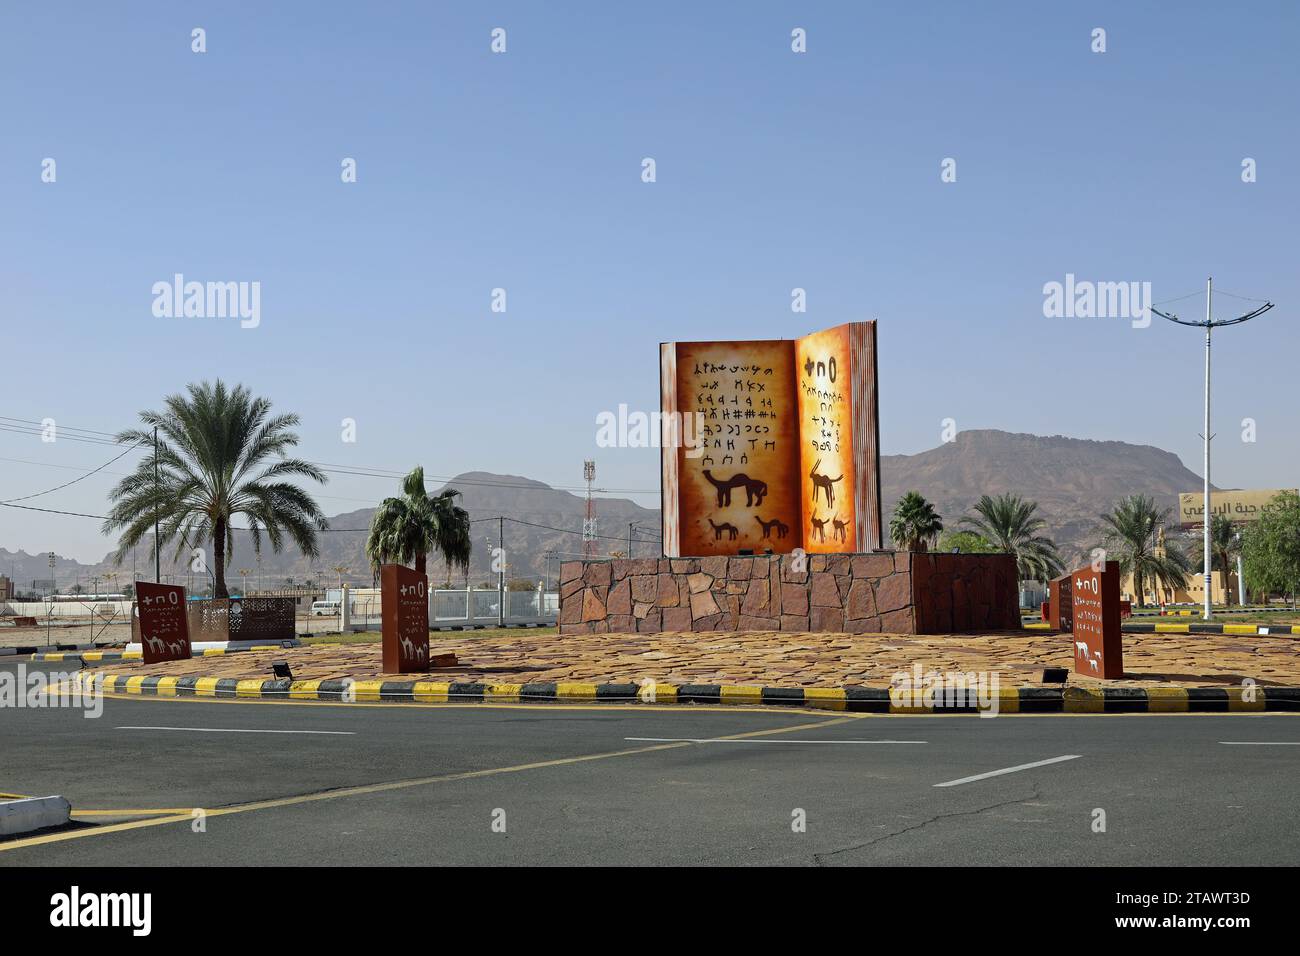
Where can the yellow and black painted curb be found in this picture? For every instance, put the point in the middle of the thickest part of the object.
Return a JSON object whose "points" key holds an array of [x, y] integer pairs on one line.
{"points": [[874, 700], [1253, 630], [101, 657], [1160, 627]]}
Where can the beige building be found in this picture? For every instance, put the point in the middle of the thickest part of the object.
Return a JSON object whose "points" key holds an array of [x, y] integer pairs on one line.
{"points": [[1153, 592]]}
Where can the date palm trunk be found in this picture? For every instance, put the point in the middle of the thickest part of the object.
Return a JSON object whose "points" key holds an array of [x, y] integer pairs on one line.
{"points": [[219, 559]]}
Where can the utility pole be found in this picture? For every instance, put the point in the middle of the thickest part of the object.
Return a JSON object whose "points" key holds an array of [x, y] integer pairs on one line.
{"points": [[157, 565], [629, 539], [49, 611], [501, 573], [1206, 514], [589, 522]]}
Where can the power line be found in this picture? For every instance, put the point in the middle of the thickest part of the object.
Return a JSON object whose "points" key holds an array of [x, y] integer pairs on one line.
{"points": [[23, 427], [121, 474], [37, 432], [75, 514], [497, 517], [74, 480], [545, 527]]}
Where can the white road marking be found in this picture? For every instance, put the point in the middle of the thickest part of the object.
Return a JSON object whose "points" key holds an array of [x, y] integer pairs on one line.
{"points": [[998, 773], [1260, 743], [237, 730], [723, 740]]}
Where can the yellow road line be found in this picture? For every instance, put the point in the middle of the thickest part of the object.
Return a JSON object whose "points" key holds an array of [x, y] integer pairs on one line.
{"points": [[388, 787], [132, 813]]}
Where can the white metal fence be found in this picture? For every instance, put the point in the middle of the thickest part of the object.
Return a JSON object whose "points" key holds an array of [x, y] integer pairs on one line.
{"points": [[103, 610], [450, 608], [447, 608]]}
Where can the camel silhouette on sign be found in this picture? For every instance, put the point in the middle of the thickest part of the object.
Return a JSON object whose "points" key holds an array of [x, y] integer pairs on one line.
{"points": [[782, 529], [754, 489], [726, 526]]}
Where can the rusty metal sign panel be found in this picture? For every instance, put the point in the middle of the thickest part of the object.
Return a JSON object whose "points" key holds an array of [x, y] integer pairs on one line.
{"points": [[1098, 643], [163, 625], [405, 616]]}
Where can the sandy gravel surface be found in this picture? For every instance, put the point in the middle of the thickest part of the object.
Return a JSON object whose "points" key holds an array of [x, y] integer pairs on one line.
{"points": [[777, 659]]}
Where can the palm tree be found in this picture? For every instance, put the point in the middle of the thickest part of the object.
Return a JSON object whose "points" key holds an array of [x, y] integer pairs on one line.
{"points": [[1225, 545], [914, 524], [1133, 532], [1009, 522], [408, 528], [220, 453]]}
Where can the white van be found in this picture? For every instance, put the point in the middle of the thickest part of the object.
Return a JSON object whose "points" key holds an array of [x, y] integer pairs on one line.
{"points": [[326, 608]]}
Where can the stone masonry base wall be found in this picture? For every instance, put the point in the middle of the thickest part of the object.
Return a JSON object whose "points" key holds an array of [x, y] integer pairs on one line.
{"points": [[886, 591]]}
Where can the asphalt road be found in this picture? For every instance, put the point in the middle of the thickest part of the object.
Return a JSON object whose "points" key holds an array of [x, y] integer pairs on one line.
{"points": [[331, 784]]}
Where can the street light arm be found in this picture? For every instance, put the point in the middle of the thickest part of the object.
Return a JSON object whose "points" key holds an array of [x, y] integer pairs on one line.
{"points": [[1244, 318], [1173, 318], [1211, 324]]}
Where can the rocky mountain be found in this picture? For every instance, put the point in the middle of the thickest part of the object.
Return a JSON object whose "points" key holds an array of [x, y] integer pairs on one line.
{"points": [[543, 519], [1072, 479]]}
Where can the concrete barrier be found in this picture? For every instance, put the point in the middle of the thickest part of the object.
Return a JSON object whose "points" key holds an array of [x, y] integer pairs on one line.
{"points": [[33, 813]]}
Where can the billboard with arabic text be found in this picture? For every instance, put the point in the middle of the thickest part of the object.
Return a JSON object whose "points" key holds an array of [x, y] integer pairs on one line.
{"points": [[1238, 506]]}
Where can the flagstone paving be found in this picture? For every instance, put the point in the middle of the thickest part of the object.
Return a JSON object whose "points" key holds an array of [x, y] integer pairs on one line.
{"points": [[772, 659]]}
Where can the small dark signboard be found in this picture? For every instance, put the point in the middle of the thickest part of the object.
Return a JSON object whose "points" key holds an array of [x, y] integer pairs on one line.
{"points": [[405, 595], [1094, 599], [164, 624], [1060, 612]]}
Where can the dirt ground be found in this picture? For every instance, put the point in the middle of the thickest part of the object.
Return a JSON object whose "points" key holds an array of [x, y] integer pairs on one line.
{"points": [[773, 659]]}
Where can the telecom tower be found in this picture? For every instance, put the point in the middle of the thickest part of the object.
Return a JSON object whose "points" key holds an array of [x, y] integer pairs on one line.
{"points": [[589, 522]]}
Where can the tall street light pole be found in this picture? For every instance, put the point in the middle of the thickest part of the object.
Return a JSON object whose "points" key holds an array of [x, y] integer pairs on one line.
{"points": [[157, 565], [1206, 515]]}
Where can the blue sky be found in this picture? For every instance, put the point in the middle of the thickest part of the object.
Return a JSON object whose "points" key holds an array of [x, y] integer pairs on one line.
{"points": [[522, 170]]}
